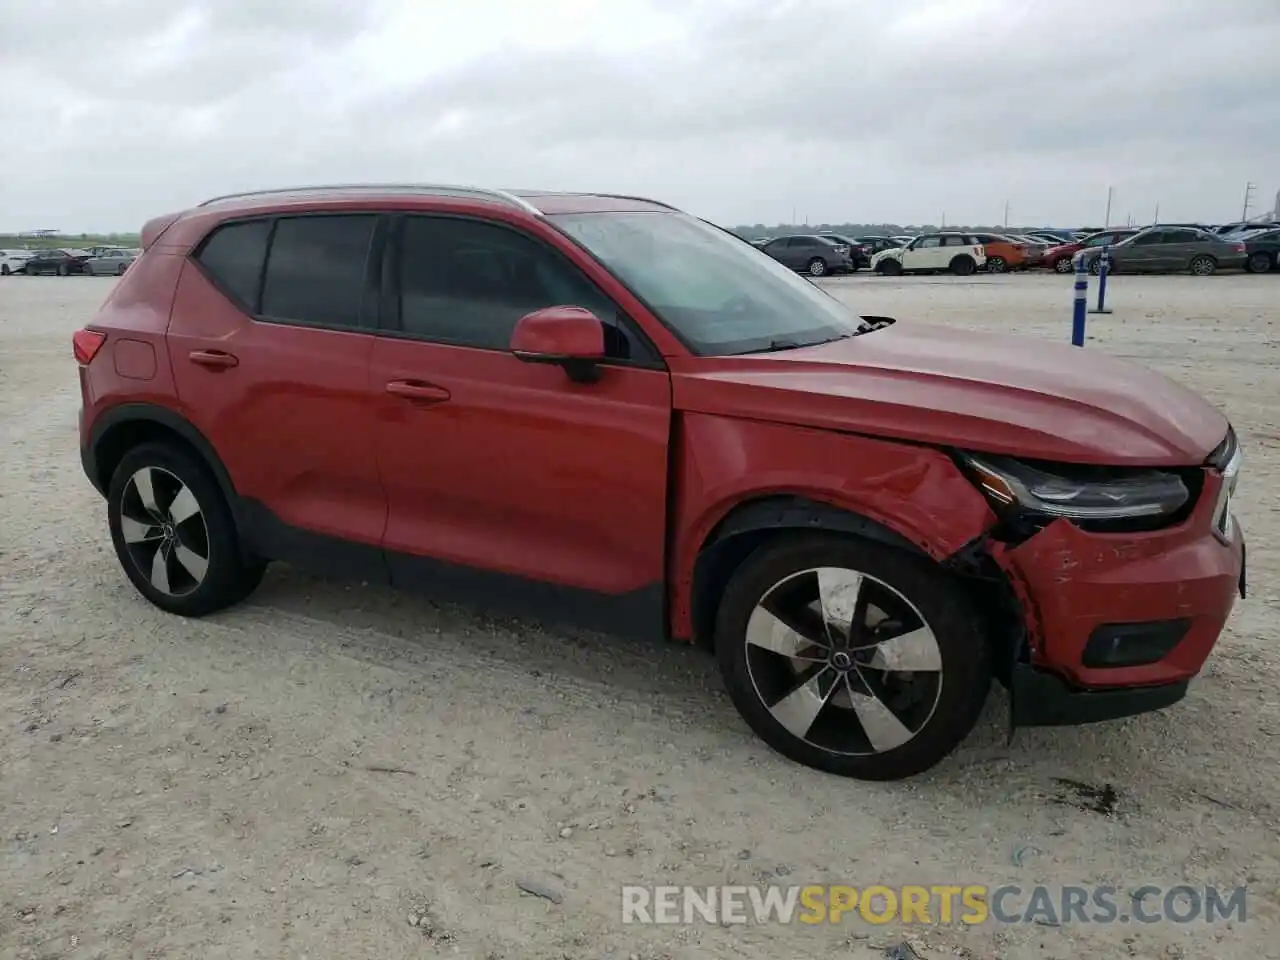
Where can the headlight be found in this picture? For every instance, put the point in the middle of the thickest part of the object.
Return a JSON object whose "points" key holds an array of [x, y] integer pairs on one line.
{"points": [[1078, 493]]}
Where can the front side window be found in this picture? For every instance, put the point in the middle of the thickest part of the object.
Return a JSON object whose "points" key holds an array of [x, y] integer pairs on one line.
{"points": [[316, 269], [1145, 239], [925, 243], [719, 295], [467, 283]]}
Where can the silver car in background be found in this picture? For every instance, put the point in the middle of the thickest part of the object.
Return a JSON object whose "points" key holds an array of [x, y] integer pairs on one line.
{"points": [[110, 262]]}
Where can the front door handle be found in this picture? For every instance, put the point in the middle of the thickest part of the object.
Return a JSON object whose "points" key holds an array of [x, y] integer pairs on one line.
{"points": [[213, 359], [418, 391]]}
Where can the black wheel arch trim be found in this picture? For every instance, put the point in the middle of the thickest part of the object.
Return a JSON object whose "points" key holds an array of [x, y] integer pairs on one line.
{"points": [[131, 413], [730, 541]]}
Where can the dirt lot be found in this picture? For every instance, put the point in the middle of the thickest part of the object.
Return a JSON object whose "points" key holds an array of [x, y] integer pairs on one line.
{"points": [[296, 777]]}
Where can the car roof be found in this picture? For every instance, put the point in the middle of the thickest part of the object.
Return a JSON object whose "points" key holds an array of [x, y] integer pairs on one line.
{"points": [[536, 202]]}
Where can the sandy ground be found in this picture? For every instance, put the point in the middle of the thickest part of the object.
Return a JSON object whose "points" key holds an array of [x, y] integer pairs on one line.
{"points": [[296, 777]]}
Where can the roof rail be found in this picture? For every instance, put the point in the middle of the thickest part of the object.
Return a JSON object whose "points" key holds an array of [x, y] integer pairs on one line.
{"points": [[429, 188], [625, 196]]}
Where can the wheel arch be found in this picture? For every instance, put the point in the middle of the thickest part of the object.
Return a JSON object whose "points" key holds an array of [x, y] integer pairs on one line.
{"points": [[749, 525], [124, 427]]}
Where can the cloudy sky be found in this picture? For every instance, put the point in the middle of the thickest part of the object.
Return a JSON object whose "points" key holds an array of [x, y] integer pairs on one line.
{"points": [[741, 111]]}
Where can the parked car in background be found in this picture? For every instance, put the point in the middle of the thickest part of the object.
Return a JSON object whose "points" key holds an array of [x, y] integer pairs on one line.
{"points": [[62, 262], [1173, 249], [1003, 252], [860, 255], [903, 239], [866, 519], [1262, 249], [113, 262], [14, 261], [811, 254], [1052, 237], [1243, 226], [961, 253], [874, 244], [1034, 248], [1060, 258]]}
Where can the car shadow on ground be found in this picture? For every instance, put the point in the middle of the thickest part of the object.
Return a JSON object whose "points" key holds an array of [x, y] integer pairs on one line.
{"points": [[407, 631]]}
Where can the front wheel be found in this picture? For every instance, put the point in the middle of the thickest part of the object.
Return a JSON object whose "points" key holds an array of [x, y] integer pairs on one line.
{"points": [[852, 657], [1259, 263], [121, 269], [63, 270], [817, 267], [1062, 265], [890, 268], [963, 266], [1203, 266], [4, 269], [174, 533]]}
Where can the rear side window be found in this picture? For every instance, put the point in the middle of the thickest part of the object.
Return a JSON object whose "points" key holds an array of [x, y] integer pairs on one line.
{"points": [[233, 257], [316, 269]]}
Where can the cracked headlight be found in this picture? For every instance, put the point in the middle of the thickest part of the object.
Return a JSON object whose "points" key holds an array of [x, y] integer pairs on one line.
{"points": [[1079, 493]]}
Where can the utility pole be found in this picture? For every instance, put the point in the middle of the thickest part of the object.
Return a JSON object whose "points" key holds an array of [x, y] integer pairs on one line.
{"points": [[793, 215], [1157, 217], [1248, 195], [944, 219], [1006, 214], [1107, 219]]}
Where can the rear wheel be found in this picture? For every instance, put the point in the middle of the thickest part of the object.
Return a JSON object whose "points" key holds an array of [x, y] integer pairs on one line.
{"points": [[121, 269], [1259, 263], [817, 267], [63, 270], [997, 265], [963, 266], [890, 267], [4, 269], [174, 534], [1203, 266], [852, 657]]}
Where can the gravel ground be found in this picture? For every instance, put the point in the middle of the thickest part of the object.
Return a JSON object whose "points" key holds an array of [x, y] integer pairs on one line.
{"points": [[312, 772]]}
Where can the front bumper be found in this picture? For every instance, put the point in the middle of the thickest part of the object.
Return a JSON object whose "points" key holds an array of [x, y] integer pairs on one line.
{"points": [[1075, 586]]}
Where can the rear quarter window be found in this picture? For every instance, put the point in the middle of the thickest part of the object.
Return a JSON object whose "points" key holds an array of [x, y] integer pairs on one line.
{"points": [[233, 256]]}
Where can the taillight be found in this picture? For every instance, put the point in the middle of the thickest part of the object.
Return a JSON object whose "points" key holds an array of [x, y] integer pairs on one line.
{"points": [[85, 344]]}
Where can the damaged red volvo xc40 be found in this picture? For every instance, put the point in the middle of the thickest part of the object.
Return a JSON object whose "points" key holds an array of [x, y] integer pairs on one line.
{"points": [[607, 411]]}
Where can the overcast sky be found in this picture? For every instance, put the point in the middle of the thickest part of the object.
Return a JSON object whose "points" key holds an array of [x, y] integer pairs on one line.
{"points": [[896, 110]]}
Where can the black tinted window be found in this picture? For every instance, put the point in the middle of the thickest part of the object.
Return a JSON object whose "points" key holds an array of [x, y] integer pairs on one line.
{"points": [[233, 257], [1143, 239], [316, 269], [1183, 236], [468, 283]]}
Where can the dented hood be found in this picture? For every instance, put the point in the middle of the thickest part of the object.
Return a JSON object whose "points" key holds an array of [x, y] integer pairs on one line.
{"points": [[983, 392]]}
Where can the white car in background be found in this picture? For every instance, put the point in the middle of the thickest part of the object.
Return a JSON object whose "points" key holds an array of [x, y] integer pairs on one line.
{"points": [[959, 253], [111, 261], [14, 261]]}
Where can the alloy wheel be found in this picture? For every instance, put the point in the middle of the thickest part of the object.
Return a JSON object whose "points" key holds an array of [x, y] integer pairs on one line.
{"points": [[164, 531], [843, 661]]}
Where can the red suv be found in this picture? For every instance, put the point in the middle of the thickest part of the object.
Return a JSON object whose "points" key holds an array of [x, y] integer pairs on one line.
{"points": [[607, 410]]}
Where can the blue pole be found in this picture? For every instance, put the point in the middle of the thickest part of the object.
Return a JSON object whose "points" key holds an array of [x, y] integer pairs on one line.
{"points": [[1081, 303], [1104, 268]]}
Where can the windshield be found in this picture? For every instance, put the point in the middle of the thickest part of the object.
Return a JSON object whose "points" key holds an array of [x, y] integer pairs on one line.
{"points": [[721, 295]]}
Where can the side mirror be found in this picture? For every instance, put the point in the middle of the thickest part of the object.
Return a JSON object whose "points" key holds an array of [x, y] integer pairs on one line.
{"points": [[569, 337]]}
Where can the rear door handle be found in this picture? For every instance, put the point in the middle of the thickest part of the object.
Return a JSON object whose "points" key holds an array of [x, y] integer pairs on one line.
{"points": [[417, 390], [213, 359]]}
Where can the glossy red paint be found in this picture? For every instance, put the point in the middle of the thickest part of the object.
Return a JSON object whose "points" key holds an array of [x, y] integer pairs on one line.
{"points": [[724, 462], [934, 385], [1078, 581], [559, 332], [473, 457]]}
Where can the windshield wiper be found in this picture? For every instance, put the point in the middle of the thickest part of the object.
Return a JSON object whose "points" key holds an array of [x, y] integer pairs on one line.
{"points": [[784, 345]]}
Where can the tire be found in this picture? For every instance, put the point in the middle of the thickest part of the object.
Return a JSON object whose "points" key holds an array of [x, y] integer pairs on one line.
{"points": [[1095, 266], [4, 270], [997, 265], [807, 709], [890, 268], [817, 267], [963, 266], [193, 567], [1203, 266], [120, 270], [64, 270], [1259, 263]]}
